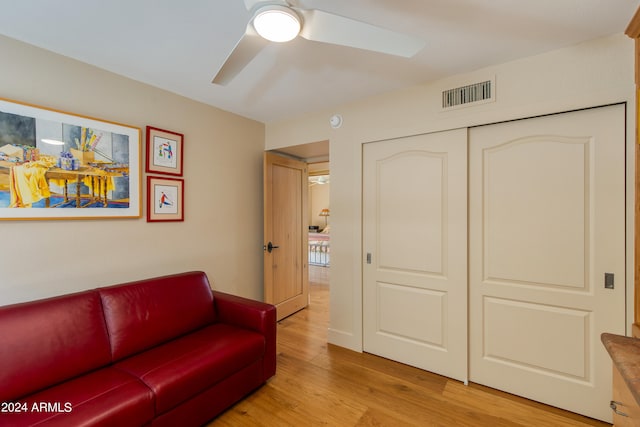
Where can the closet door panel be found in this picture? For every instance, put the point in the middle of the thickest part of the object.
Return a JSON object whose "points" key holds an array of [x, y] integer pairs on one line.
{"points": [[547, 222], [415, 238]]}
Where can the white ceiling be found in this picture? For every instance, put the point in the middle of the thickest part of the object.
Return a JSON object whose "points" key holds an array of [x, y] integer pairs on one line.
{"points": [[179, 45]]}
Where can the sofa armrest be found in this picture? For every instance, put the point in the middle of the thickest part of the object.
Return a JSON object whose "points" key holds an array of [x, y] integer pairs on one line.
{"points": [[250, 314]]}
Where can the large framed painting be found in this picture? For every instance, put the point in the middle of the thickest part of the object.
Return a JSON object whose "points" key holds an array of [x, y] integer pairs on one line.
{"points": [[58, 165]]}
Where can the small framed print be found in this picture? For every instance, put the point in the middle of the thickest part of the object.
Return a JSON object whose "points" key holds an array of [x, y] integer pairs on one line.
{"points": [[164, 151], [165, 199]]}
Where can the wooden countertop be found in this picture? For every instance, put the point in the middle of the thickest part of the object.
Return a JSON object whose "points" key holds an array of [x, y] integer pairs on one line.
{"points": [[625, 353]]}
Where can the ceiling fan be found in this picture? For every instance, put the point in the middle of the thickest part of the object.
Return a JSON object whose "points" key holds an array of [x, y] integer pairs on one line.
{"points": [[312, 24], [318, 180]]}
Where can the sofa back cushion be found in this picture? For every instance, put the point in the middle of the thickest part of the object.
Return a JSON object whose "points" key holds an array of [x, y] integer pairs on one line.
{"points": [[47, 341], [142, 314]]}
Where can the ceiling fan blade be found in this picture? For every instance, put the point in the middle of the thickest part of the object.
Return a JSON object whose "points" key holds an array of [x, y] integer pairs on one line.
{"points": [[245, 50], [326, 27]]}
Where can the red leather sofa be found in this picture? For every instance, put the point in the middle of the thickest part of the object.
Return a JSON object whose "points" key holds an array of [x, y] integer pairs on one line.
{"points": [[166, 351]]}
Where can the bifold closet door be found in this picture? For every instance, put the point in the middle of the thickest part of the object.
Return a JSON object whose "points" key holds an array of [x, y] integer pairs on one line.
{"points": [[415, 251], [547, 255]]}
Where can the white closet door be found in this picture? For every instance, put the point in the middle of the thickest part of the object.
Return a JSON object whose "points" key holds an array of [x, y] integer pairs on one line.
{"points": [[547, 223], [415, 236]]}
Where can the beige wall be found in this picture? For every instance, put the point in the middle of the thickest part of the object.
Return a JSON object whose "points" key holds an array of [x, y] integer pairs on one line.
{"points": [[222, 231], [318, 200], [590, 74]]}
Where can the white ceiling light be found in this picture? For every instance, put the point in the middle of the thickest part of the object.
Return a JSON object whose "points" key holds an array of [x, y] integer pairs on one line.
{"points": [[277, 23]]}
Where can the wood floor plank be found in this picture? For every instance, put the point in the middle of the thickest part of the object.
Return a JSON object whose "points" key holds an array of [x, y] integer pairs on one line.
{"points": [[319, 384], [519, 410]]}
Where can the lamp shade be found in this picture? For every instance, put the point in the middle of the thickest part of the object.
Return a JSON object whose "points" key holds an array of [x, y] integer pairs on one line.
{"points": [[324, 212]]}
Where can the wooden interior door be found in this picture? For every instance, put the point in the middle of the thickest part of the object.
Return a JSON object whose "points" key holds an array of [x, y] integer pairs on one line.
{"points": [[546, 229], [286, 224], [415, 251]]}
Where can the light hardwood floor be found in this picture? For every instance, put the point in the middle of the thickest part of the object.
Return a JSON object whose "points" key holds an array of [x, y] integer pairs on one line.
{"points": [[321, 384]]}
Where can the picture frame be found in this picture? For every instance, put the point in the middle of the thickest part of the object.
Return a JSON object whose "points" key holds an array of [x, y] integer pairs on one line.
{"points": [[165, 199], [164, 151], [60, 165]]}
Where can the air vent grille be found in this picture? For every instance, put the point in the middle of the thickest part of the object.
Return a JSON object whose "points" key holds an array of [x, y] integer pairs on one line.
{"points": [[474, 93]]}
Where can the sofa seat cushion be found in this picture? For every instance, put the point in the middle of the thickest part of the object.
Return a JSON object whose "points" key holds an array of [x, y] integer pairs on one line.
{"points": [[107, 397], [183, 368]]}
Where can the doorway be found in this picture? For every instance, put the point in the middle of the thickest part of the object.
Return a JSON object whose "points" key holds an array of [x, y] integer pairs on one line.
{"points": [[319, 248], [316, 155]]}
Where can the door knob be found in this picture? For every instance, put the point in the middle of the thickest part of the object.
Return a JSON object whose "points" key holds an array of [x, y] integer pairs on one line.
{"points": [[614, 407], [271, 247]]}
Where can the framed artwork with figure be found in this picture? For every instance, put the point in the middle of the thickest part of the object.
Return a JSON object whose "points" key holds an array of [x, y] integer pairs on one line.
{"points": [[165, 199], [164, 151]]}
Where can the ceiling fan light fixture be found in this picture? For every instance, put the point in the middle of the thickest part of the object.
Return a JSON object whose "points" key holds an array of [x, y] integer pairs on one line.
{"points": [[277, 23]]}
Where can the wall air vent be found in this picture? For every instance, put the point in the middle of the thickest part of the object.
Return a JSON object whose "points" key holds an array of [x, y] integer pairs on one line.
{"points": [[477, 93]]}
